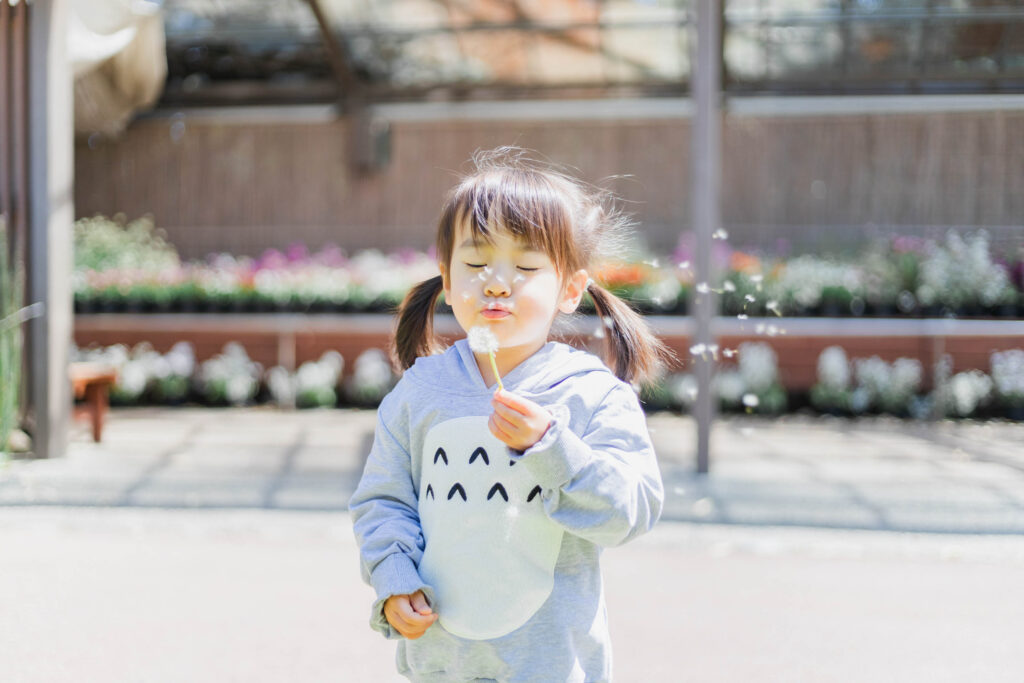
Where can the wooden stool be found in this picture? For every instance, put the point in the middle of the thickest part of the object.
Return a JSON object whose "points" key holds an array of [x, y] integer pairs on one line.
{"points": [[92, 381]]}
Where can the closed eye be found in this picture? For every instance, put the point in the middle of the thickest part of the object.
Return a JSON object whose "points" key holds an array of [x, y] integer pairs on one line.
{"points": [[527, 270], [476, 265]]}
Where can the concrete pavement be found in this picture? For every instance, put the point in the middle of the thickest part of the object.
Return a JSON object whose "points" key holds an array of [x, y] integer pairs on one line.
{"points": [[877, 474], [128, 595], [213, 545]]}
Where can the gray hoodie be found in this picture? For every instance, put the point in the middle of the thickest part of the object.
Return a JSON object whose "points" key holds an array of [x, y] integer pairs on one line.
{"points": [[505, 545]]}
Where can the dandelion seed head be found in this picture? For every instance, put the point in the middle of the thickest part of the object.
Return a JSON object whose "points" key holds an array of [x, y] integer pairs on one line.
{"points": [[751, 400], [703, 288], [482, 340], [720, 234], [729, 286], [749, 298]]}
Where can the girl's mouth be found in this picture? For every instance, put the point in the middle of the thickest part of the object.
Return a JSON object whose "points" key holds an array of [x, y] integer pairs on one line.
{"points": [[494, 313]]}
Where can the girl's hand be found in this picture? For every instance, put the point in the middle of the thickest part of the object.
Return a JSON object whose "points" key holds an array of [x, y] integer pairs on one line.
{"points": [[410, 615], [517, 421]]}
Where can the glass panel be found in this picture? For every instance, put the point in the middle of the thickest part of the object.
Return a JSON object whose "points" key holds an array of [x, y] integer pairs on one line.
{"points": [[574, 56], [651, 54]]}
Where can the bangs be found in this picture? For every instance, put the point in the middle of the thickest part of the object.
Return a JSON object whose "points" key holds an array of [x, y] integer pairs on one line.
{"points": [[516, 202]]}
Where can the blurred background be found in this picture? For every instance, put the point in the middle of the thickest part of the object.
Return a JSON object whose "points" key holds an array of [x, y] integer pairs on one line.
{"points": [[245, 158], [210, 209]]}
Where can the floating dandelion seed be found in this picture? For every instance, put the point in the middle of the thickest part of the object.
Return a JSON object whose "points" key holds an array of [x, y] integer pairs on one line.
{"points": [[698, 349], [720, 234], [729, 286], [466, 296], [728, 353], [751, 400], [518, 278], [749, 298], [742, 316], [773, 306], [599, 332], [702, 288], [684, 264], [772, 330], [653, 263], [482, 340], [756, 279], [759, 329]]}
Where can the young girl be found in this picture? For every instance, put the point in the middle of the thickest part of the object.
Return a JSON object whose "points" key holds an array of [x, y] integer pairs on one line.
{"points": [[482, 513]]}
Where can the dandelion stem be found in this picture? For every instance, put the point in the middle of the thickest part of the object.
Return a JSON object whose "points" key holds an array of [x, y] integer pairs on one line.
{"points": [[494, 366]]}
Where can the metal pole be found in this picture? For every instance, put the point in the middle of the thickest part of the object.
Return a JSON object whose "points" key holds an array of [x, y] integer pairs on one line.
{"points": [[50, 220], [705, 172]]}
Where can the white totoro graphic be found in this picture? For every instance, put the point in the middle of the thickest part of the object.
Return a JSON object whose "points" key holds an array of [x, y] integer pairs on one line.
{"points": [[490, 548]]}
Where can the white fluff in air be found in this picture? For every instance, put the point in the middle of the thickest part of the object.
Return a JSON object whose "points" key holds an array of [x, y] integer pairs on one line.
{"points": [[482, 340]]}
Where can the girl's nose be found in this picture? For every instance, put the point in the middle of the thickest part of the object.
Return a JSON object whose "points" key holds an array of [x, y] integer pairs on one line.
{"points": [[496, 285]]}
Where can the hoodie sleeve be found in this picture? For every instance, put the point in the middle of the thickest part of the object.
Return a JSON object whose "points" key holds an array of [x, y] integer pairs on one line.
{"points": [[605, 485], [386, 522]]}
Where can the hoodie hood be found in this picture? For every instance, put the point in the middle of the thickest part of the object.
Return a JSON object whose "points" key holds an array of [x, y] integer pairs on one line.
{"points": [[455, 370]]}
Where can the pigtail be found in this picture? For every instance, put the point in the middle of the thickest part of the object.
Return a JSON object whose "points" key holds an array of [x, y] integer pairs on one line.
{"points": [[633, 352], [414, 336]]}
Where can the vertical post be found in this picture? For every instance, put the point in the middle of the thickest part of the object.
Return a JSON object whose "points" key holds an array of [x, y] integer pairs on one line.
{"points": [[51, 215], [705, 89]]}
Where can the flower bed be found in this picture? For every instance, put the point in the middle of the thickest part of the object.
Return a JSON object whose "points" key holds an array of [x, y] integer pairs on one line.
{"points": [[845, 386], [129, 267]]}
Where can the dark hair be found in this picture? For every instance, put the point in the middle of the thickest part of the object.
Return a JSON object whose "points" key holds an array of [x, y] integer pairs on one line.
{"points": [[575, 224]]}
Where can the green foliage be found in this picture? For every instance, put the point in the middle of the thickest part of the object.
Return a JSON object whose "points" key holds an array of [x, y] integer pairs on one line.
{"points": [[103, 243], [11, 288]]}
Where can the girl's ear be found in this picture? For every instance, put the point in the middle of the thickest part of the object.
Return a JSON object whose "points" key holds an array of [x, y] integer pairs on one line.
{"points": [[575, 286]]}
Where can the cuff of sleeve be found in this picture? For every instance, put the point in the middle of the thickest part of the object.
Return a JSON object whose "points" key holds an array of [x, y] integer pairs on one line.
{"points": [[396, 574], [559, 455]]}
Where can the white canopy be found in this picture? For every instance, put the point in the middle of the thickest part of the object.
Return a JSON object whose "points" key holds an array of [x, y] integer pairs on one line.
{"points": [[117, 54]]}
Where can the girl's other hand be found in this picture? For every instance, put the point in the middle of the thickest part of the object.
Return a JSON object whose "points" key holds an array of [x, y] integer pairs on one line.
{"points": [[517, 421], [410, 615]]}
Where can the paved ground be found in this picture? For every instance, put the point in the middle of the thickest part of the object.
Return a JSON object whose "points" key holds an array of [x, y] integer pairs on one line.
{"points": [[213, 546], [880, 474], [264, 596]]}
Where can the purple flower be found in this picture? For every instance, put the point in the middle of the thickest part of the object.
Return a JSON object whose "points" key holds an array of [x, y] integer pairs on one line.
{"points": [[331, 256], [297, 252], [272, 259], [903, 244]]}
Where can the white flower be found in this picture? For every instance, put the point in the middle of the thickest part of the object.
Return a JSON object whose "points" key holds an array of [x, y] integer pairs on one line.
{"points": [[967, 390], [805, 278], [834, 368], [1008, 372], [281, 386], [730, 387], [684, 388], [962, 272], [758, 365]]}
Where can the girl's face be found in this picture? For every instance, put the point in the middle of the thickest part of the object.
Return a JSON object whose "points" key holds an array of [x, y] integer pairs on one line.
{"points": [[510, 288]]}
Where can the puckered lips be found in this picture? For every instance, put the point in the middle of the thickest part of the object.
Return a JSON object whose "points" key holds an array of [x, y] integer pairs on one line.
{"points": [[495, 311]]}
